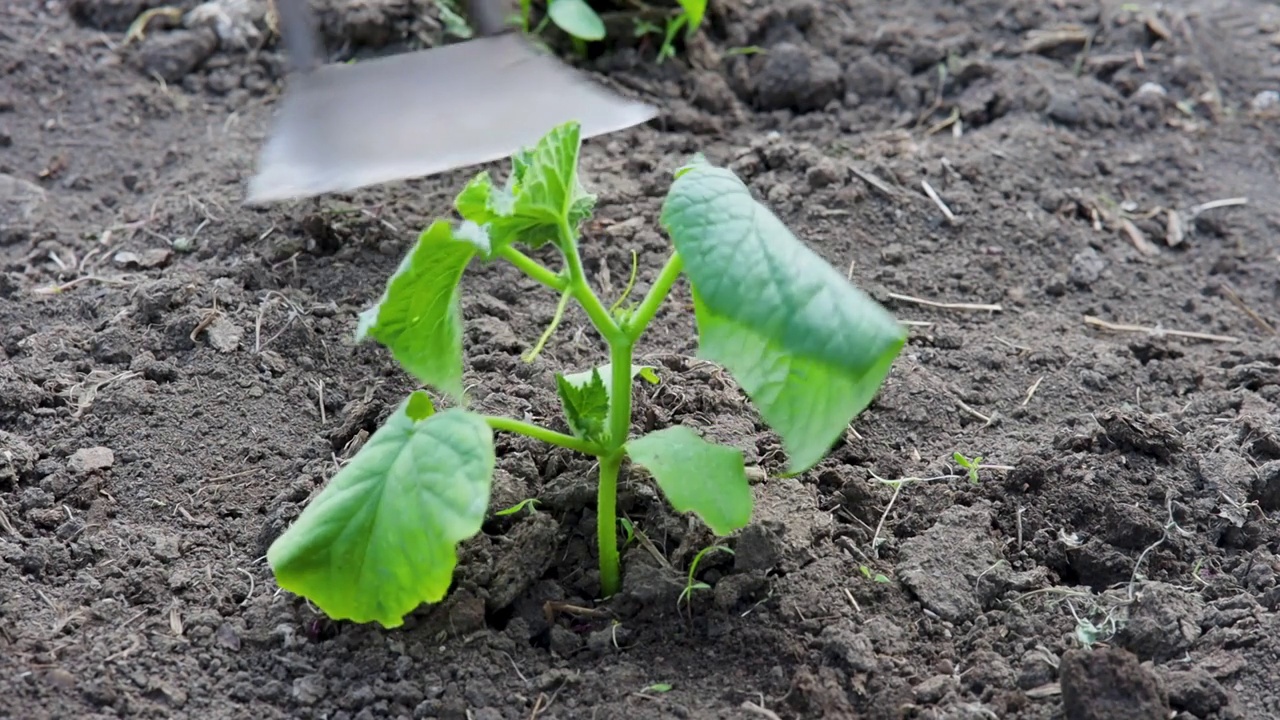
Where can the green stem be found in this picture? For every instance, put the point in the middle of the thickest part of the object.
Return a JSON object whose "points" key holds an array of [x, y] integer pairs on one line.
{"points": [[534, 269], [620, 402], [655, 297], [607, 523], [607, 492], [582, 292], [538, 432]]}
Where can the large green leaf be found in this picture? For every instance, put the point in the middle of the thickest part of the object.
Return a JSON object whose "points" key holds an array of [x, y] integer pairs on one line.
{"points": [[697, 476], [809, 348], [382, 537], [576, 18], [543, 187], [419, 317], [586, 396]]}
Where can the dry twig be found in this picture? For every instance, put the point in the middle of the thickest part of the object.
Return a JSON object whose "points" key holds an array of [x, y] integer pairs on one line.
{"points": [[1257, 319], [875, 182], [978, 307], [937, 200], [1156, 331]]}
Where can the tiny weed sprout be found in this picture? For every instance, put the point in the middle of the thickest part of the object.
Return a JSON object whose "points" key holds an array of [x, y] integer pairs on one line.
{"points": [[531, 503], [691, 584], [628, 531], [972, 465], [877, 577], [808, 349]]}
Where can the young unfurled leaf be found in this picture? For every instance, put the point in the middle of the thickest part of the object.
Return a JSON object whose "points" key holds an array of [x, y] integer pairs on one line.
{"points": [[576, 18], [972, 465], [809, 348], [586, 404], [646, 372], [543, 188], [473, 202], [382, 537], [697, 476], [549, 187], [586, 397], [419, 317], [420, 406]]}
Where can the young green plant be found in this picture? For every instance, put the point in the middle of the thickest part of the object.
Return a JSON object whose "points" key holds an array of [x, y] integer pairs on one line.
{"points": [[688, 18], [807, 347], [582, 23], [691, 582], [575, 17]]}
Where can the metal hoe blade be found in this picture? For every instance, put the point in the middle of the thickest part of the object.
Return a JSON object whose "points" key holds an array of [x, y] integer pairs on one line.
{"points": [[340, 127]]}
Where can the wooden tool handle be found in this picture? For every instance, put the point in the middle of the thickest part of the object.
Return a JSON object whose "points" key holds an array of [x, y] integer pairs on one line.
{"points": [[299, 32], [487, 16]]}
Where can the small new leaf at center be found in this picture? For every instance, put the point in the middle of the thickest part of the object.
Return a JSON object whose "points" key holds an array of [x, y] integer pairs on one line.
{"points": [[586, 405], [586, 397], [542, 190], [697, 476]]}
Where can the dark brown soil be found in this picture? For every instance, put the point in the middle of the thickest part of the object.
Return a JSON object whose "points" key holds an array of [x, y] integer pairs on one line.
{"points": [[167, 413]]}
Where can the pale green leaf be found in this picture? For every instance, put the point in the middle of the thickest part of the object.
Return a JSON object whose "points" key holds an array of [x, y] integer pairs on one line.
{"points": [[419, 317], [577, 18], [585, 400], [586, 397], [809, 348], [382, 537], [548, 184], [697, 476], [542, 188]]}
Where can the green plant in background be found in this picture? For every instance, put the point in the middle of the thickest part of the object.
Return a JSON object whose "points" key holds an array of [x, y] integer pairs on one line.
{"points": [[971, 465], [575, 17], [807, 347], [688, 18], [454, 23], [582, 23]]}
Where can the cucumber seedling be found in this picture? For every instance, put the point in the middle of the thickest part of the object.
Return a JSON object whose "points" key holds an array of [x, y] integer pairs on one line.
{"points": [[808, 348]]}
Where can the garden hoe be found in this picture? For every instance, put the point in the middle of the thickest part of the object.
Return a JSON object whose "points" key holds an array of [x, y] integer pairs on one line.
{"points": [[344, 126]]}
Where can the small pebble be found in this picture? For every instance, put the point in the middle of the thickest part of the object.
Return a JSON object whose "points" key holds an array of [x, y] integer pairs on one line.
{"points": [[87, 460], [1265, 100]]}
